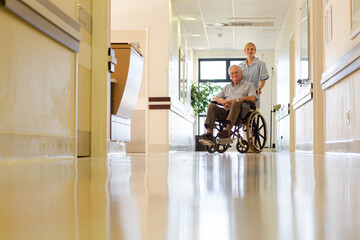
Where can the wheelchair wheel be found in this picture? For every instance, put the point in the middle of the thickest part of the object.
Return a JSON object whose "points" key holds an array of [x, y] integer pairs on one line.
{"points": [[256, 132], [244, 148], [211, 149], [222, 148]]}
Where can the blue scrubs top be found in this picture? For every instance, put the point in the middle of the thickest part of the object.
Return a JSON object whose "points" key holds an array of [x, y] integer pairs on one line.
{"points": [[252, 73]]}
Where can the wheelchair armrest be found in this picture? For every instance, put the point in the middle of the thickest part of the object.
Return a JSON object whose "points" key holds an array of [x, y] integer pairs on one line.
{"points": [[252, 103]]}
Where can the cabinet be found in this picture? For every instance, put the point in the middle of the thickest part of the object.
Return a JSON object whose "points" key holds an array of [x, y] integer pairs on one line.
{"points": [[125, 87]]}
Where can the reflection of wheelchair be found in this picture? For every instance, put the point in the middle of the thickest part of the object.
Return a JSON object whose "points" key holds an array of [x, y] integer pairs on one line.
{"points": [[252, 124]]}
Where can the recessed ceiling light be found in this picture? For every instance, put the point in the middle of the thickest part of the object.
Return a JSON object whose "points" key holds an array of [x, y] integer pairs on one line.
{"points": [[191, 18], [196, 35], [218, 25]]}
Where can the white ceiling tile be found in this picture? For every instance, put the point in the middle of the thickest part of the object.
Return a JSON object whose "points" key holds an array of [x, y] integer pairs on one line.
{"points": [[218, 11], [187, 7], [215, 18]]}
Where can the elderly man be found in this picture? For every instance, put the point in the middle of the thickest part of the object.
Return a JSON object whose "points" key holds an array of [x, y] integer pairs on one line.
{"points": [[230, 97]]}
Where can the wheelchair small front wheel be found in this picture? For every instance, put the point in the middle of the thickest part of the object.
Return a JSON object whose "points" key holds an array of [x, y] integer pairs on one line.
{"points": [[244, 148], [211, 149], [222, 148]]}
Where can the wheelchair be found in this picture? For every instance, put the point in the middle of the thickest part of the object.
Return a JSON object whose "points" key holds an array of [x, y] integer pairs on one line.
{"points": [[251, 123]]}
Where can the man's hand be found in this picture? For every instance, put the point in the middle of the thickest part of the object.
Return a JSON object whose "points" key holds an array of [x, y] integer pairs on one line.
{"points": [[226, 103], [259, 91]]}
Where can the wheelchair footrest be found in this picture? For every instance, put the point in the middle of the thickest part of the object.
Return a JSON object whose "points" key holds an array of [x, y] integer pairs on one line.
{"points": [[206, 142], [223, 141]]}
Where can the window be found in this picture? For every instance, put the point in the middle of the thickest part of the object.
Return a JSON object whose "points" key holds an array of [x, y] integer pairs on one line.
{"points": [[215, 71]]}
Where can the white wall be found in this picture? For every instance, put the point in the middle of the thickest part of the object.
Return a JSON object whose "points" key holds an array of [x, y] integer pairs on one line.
{"points": [[154, 15], [282, 73], [180, 115], [281, 55], [164, 39]]}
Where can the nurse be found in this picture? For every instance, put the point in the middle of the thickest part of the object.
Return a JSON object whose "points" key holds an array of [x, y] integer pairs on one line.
{"points": [[254, 70]]}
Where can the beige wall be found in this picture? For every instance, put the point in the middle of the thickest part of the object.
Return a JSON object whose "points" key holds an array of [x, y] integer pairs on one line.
{"points": [[100, 82], [37, 91], [334, 108], [84, 86], [341, 98], [342, 133], [341, 42]]}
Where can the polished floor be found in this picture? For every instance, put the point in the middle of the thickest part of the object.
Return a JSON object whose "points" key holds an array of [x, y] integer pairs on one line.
{"points": [[183, 195]]}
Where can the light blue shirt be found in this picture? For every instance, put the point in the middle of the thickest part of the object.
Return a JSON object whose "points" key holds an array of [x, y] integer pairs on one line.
{"points": [[254, 73], [242, 89]]}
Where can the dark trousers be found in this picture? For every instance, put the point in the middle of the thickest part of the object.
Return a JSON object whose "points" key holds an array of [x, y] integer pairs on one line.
{"points": [[215, 112]]}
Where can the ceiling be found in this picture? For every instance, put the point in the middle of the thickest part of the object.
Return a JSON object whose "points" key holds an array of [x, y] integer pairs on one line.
{"points": [[211, 31]]}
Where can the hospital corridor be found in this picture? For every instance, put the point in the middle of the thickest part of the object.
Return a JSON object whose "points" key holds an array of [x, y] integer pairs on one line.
{"points": [[179, 120]]}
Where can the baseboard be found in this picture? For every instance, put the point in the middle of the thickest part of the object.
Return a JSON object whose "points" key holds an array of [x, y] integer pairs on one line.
{"points": [[15, 146], [83, 143], [115, 147], [282, 148], [308, 146], [158, 148], [344, 146], [180, 147]]}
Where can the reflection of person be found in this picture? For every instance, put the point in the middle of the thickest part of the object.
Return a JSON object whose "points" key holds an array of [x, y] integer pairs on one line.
{"points": [[230, 97], [254, 70]]}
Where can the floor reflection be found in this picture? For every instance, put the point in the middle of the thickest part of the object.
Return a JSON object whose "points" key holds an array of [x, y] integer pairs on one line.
{"points": [[183, 195], [31, 198]]}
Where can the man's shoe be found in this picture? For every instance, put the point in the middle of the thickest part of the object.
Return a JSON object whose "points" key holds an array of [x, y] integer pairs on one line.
{"points": [[207, 139], [224, 134]]}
